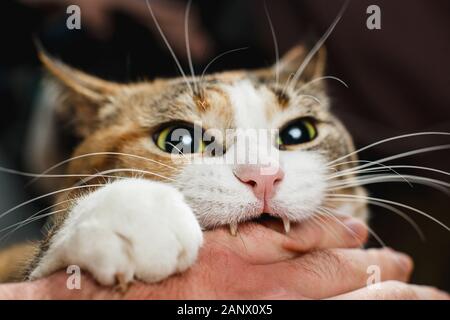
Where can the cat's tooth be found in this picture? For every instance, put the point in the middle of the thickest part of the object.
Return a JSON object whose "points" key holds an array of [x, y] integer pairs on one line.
{"points": [[233, 228], [287, 225]]}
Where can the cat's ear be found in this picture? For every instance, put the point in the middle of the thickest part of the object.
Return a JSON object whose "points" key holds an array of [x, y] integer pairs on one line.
{"points": [[82, 95], [88, 86], [290, 63]]}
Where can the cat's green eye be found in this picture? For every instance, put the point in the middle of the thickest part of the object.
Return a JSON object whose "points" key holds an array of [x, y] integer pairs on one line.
{"points": [[297, 132], [180, 139]]}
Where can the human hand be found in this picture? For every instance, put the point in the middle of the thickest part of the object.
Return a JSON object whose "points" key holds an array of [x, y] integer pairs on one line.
{"points": [[261, 263]]}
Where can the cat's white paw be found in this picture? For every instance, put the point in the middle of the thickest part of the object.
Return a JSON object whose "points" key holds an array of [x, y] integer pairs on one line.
{"points": [[134, 228]]}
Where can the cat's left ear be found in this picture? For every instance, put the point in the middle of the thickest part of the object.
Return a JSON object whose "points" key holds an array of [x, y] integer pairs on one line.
{"points": [[82, 95], [90, 87], [290, 63]]}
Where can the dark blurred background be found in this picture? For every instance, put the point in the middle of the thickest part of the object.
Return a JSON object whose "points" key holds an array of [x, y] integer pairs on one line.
{"points": [[398, 76]]}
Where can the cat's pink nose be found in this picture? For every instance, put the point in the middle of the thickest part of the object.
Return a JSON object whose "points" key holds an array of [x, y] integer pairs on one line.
{"points": [[262, 179]]}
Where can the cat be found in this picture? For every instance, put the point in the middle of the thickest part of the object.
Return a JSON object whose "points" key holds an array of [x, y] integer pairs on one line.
{"points": [[151, 160]]}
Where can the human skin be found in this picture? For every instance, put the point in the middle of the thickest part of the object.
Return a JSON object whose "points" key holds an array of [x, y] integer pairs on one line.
{"points": [[262, 263]]}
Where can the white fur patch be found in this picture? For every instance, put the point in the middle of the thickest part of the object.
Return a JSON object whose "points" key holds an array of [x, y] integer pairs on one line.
{"points": [[248, 104], [134, 227]]}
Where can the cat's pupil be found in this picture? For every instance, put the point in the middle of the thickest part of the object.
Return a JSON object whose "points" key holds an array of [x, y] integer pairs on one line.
{"points": [[300, 131], [293, 135], [181, 140]]}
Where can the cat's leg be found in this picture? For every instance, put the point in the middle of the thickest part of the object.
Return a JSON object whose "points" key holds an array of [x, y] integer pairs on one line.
{"points": [[131, 228]]}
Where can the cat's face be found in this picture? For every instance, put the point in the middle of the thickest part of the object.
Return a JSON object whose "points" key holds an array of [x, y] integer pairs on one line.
{"points": [[236, 144]]}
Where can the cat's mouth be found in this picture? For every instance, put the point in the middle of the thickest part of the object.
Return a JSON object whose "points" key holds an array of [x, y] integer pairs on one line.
{"points": [[282, 225]]}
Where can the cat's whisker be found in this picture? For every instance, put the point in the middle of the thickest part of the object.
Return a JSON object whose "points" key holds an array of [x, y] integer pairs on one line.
{"points": [[372, 233], [321, 211], [217, 58], [286, 85], [48, 195], [102, 153], [324, 225], [311, 97], [346, 197], [385, 168], [176, 148], [321, 79], [351, 162], [242, 241], [169, 47], [398, 156], [390, 177], [275, 44], [118, 170], [105, 180], [355, 170], [39, 175], [330, 213], [371, 179], [318, 45], [36, 214], [376, 236], [188, 46], [387, 140], [394, 210], [26, 222], [81, 184]]}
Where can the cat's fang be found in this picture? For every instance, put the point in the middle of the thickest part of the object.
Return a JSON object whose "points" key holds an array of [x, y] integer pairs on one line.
{"points": [[233, 228], [286, 224]]}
